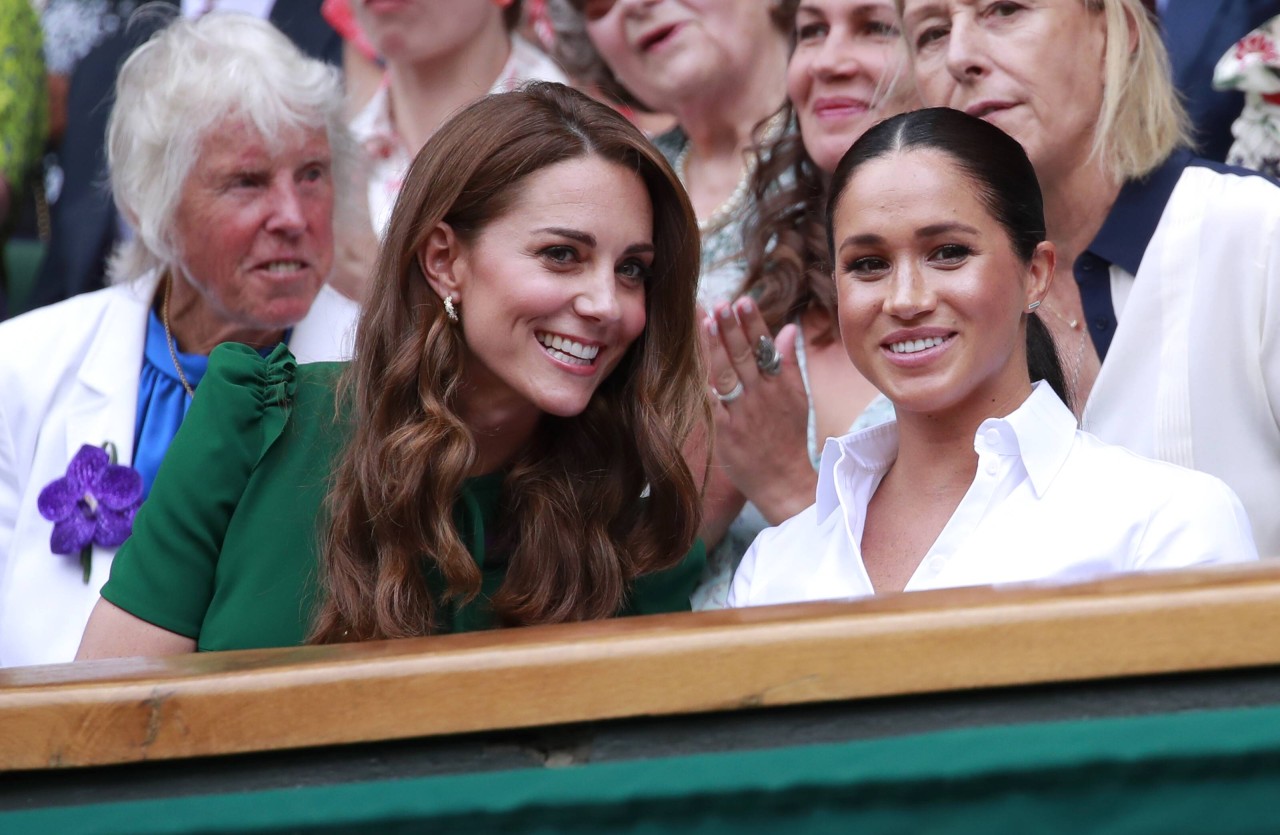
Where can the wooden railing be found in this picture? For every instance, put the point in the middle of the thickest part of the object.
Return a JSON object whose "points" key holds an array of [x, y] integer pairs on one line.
{"points": [[268, 700]]}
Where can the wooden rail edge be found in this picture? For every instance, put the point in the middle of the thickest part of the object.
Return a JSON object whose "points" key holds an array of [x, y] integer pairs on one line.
{"points": [[131, 710]]}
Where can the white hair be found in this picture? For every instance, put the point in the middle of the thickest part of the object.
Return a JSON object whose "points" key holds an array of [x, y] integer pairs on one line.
{"points": [[187, 80]]}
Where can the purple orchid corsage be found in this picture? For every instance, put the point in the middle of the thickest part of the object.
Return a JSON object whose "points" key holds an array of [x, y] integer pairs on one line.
{"points": [[93, 504]]}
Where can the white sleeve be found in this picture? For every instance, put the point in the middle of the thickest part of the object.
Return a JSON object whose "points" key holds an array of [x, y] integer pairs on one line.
{"points": [[16, 441], [1269, 350], [9, 492], [740, 588], [783, 564], [1202, 523]]}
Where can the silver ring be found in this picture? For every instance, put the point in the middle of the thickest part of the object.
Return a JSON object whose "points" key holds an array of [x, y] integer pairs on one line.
{"points": [[731, 395], [768, 357]]}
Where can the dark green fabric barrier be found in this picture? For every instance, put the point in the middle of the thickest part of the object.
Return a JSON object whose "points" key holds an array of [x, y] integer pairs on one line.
{"points": [[1213, 771], [21, 265]]}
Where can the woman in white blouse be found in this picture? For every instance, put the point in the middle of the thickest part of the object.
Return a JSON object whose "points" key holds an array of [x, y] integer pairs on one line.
{"points": [[937, 234]]}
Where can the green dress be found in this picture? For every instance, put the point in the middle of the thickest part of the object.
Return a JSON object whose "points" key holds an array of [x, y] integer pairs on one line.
{"points": [[225, 549]]}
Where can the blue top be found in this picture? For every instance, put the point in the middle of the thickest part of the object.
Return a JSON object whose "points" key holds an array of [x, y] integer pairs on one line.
{"points": [[162, 401]]}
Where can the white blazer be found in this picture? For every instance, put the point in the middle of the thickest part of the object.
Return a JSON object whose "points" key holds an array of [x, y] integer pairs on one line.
{"points": [[69, 376]]}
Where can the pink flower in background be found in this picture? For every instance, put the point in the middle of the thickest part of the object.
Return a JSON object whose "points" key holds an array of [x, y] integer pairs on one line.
{"points": [[1257, 43]]}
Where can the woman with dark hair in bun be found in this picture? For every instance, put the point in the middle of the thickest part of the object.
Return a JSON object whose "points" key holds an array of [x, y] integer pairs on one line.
{"points": [[937, 236]]}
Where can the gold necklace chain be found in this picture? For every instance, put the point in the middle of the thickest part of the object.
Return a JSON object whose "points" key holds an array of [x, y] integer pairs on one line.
{"points": [[733, 204], [168, 337]]}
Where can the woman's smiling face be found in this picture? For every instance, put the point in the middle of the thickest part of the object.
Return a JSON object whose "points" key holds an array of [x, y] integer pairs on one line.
{"points": [[931, 292], [846, 53], [551, 293]]}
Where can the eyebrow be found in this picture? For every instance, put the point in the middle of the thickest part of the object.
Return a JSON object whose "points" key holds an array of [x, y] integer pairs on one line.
{"points": [[590, 240], [930, 231], [943, 228], [927, 10], [572, 234], [865, 239]]}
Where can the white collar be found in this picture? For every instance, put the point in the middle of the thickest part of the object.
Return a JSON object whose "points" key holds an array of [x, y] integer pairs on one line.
{"points": [[1041, 432]]}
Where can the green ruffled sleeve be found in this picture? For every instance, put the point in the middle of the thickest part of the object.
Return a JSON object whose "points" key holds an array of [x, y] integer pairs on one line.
{"points": [[165, 572]]}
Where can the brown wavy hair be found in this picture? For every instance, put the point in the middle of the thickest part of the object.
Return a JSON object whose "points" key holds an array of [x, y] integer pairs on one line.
{"points": [[785, 237], [578, 531]]}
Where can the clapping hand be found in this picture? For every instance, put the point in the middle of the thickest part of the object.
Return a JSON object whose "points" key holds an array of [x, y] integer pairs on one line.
{"points": [[761, 409]]}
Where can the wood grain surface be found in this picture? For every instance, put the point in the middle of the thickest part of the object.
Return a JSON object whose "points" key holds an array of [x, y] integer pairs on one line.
{"points": [[130, 710]]}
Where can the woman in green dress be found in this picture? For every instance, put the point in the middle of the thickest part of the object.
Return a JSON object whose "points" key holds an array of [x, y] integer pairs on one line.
{"points": [[504, 450]]}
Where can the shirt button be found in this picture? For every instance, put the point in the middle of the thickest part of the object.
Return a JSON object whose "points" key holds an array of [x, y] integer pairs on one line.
{"points": [[992, 437], [992, 466]]}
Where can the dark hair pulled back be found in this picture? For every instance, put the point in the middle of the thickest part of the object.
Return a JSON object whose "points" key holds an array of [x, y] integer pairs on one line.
{"points": [[1006, 184]]}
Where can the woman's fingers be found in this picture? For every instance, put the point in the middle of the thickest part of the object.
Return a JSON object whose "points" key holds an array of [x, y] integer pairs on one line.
{"points": [[720, 372], [742, 357], [738, 345], [785, 343], [761, 439]]}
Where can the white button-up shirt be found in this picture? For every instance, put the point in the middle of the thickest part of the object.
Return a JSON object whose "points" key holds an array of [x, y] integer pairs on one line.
{"points": [[1192, 376], [1048, 503]]}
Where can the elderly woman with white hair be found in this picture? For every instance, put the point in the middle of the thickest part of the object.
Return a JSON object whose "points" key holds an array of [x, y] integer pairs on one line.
{"points": [[1166, 310], [224, 148]]}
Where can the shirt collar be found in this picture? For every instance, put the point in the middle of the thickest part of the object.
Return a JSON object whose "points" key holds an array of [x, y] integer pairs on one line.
{"points": [[1132, 221], [1044, 430], [373, 122], [872, 449], [1041, 432]]}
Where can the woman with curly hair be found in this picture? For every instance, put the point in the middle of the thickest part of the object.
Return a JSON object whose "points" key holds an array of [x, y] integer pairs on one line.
{"points": [[506, 448], [770, 427]]}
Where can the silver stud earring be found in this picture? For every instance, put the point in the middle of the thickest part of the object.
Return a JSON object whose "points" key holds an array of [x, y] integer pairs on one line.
{"points": [[450, 310], [1033, 306]]}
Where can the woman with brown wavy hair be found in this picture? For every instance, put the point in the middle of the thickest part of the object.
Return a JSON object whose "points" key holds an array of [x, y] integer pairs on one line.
{"points": [[508, 441]]}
